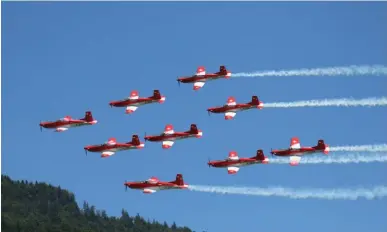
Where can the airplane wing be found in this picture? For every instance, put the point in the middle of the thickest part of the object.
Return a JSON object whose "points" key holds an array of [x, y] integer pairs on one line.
{"points": [[153, 180], [66, 118], [168, 130], [62, 128], [130, 109], [232, 170], [295, 143], [133, 95], [200, 71], [229, 115], [168, 144], [294, 160], [111, 141], [147, 190], [198, 85], [107, 154], [233, 155], [231, 101]]}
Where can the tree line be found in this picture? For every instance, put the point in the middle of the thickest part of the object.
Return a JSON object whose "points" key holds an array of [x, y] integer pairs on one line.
{"points": [[41, 207]]}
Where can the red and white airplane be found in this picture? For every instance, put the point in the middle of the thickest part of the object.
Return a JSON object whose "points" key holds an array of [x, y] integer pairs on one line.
{"points": [[201, 77], [295, 150], [110, 147], [67, 122], [231, 107], [153, 184], [233, 162], [134, 101], [169, 136]]}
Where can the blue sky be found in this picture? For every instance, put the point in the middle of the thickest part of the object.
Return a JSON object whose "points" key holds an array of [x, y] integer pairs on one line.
{"points": [[65, 58]]}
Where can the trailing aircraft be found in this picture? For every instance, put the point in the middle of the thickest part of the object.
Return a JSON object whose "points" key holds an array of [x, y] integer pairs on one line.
{"points": [[153, 184], [68, 122]]}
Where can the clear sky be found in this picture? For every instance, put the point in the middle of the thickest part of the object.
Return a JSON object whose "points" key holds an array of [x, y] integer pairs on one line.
{"points": [[65, 58]]}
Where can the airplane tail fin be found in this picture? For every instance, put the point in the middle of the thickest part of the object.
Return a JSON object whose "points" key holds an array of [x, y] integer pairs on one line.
{"points": [[321, 145], [156, 94], [255, 101], [88, 117], [135, 140], [179, 179], [260, 155], [194, 129], [224, 71]]}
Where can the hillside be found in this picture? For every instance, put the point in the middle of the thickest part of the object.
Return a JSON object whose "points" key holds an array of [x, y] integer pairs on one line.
{"points": [[40, 207]]}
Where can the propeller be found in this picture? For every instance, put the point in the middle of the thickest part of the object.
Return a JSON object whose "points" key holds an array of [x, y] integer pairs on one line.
{"points": [[209, 160], [126, 187], [178, 82], [144, 137], [40, 125]]}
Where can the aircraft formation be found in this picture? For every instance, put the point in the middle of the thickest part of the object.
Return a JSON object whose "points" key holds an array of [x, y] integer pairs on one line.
{"points": [[169, 136]]}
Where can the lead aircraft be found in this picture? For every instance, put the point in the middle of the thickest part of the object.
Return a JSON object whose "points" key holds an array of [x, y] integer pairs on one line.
{"points": [[153, 184], [110, 147], [169, 136], [134, 101], [231, 107], [295, 150], [68, 122], [233, 162], [201, 77]]}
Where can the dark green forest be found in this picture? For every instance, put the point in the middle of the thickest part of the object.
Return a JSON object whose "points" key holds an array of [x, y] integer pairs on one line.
{"points": [[40, 207]]}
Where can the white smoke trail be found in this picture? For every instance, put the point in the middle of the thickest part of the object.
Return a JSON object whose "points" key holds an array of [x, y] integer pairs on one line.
{"points": [[327, 194], [332, 159], [346, 102], [368, 148], [328, 71]]}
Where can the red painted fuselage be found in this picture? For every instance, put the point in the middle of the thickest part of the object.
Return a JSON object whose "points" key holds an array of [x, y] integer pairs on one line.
{"points": [[112, 147], [62, 123], [206, 77], [300, 151], [201, 77], [68, 122], [154, 186], [135, 102], [233, 108], [174, 136], [235, 163]]}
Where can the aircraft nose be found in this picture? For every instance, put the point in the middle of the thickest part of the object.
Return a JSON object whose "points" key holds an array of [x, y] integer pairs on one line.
{"points": [[128, 184], [87, 148]]}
